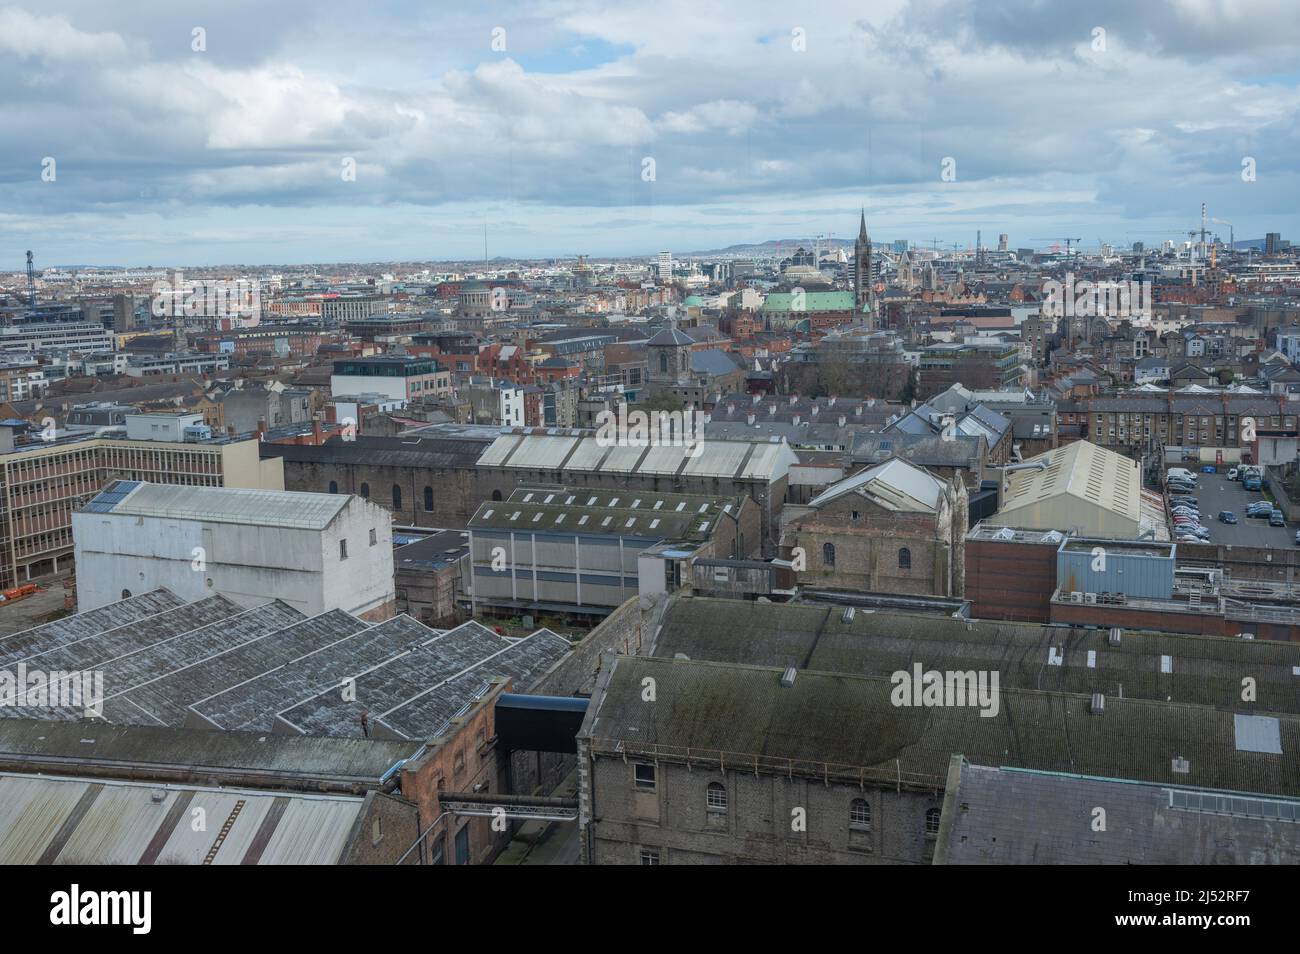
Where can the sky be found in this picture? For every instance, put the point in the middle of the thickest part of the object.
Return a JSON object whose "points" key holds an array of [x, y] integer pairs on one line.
{"points": [[204, 133]]}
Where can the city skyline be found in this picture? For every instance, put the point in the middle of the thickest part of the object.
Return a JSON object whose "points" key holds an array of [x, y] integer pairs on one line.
{"points": [[186, 138]]}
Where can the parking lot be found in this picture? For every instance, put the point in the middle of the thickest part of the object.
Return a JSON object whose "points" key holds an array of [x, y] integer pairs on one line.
{"points": [[1216, 492]]}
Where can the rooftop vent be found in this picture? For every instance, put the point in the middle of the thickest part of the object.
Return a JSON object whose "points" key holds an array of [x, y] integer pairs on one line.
{"points": [[1098, 704], [1181, 765], [1114, 636], [787, 677], [848, 615]]}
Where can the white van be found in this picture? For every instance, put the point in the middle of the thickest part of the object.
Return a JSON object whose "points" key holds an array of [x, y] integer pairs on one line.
{"points": [[1180, 473]]}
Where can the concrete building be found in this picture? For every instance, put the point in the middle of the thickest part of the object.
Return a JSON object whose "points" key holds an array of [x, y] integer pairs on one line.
{"points": [[43, 482], [400, 377], [315, 552]]}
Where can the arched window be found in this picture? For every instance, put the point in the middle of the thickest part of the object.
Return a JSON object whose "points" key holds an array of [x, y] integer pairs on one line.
{"points": [[428, 499], [397, 497], [932, 816], [828, 554], [904, 559], [365, 491], [334, 486], [126, 594], [496, 495], [859, 813], [663, 361], [716, 797]]}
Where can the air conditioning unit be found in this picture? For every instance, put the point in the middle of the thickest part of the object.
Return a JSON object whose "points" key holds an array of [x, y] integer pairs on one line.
{"points": [[1090, 597], [1076, 597]]}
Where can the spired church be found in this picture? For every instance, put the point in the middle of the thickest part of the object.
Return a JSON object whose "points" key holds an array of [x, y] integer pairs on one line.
{"points": [[864, 292]]}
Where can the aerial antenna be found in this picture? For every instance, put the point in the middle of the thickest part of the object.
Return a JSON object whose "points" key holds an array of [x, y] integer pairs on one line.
{"points": [[31, 282]]}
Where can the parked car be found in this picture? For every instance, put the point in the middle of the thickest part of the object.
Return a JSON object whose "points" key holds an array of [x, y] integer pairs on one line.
{"points": [[1227, 516], [1209, 469], [1275, 519], [1297, 538]]}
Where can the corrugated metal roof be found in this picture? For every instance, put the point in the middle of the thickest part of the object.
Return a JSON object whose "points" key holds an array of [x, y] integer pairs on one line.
{"points": [[268, 508], [122, 819]]}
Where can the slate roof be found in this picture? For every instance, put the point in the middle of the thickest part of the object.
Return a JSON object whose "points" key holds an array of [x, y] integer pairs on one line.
{"points": [[214, 664], [1015, 816], [1206, 670], [831, 725]]}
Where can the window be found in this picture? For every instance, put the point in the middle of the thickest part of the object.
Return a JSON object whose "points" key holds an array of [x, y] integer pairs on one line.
{"points": [[428, 499], [334, 486], [932, 821], [343, 549], [649, 856], [904, 559], [828, 554], [644, 776], [496, 495], [374, 538], [716, 797], [859, 813], [397, 497], [365, 491]]}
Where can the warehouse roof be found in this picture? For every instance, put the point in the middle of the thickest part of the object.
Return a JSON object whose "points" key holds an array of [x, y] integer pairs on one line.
{"points": [[894, 485], [1077, 472], [1018, 816], [583, 451], [215, 664], [828, 725], [266, 508], [52, 820], [1203, 670], [579, 510]]}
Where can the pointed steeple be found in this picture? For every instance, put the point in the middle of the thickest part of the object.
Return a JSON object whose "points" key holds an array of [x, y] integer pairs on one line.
{"points": [[862, 228]]}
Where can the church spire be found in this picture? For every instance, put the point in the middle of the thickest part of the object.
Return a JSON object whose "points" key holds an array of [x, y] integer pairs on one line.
{"points": [[862, 228]]}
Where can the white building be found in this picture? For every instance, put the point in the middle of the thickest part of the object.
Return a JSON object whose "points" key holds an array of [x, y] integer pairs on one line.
{"points": [[315, 552]]}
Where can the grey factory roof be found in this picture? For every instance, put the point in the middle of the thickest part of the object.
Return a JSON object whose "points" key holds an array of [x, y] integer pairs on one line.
{"points": [[578, 510], [51, 820], [896, 484], [963, 450], [830, 725], [1204, 670], [266, 508], [195, 754], [400, 451], [215, 664], [712, 361], [585, 452], [1017, 816]]}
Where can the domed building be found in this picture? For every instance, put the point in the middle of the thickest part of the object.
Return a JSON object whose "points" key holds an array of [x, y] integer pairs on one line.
{"points": [[473, 305]]}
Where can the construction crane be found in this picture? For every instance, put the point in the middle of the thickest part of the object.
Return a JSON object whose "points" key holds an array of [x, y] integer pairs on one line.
{"points": [[31, 282]]}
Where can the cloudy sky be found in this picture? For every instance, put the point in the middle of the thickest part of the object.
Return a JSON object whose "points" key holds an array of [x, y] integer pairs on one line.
{"points": [[624, 127]]}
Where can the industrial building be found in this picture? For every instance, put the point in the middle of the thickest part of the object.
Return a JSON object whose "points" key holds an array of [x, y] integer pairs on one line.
{"points": [[1081, 488], [767, 713], [42, 482], [314, 552], [1009, 816], [576, 550], [892, 528], [757, 468]]}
